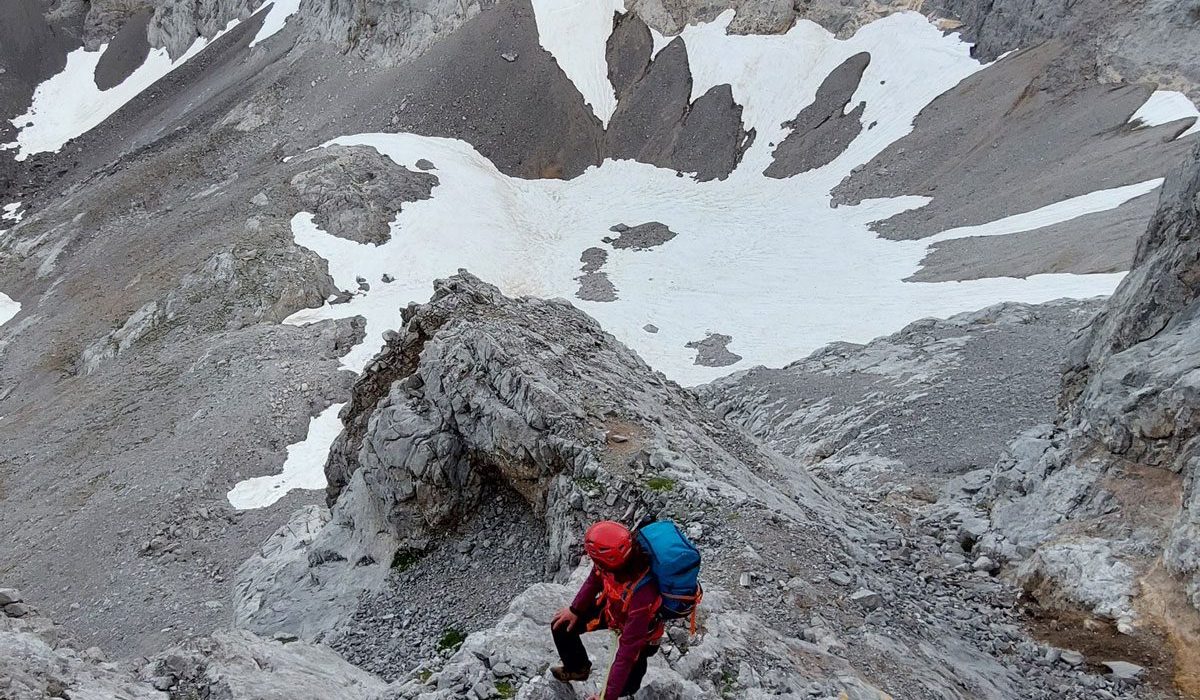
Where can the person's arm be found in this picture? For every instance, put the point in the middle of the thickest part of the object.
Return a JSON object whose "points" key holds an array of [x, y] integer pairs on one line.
{"points": [[635, 634], [585, 599]]}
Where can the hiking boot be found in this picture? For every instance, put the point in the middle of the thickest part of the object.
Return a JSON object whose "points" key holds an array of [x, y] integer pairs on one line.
{"points": [[561, 673]]}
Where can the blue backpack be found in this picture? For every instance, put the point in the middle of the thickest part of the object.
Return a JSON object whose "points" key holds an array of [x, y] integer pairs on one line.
{"points": [[675, 566]]}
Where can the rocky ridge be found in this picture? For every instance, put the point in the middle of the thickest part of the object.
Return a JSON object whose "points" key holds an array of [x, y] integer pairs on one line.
{"points": [[1098, 509], [526, 406]]}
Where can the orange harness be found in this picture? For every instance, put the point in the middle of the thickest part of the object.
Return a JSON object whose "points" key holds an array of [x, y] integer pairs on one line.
{"points": [[615, 599]]}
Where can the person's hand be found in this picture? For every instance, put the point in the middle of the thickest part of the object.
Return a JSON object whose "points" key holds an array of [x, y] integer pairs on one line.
{"points": [[593, 697], [564, 620]]}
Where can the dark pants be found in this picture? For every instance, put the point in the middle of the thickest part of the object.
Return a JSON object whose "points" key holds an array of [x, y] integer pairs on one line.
{"points": [[575, 657]]}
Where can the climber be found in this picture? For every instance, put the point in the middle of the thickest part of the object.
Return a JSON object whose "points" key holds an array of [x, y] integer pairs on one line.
{"points": [[618, 594]]}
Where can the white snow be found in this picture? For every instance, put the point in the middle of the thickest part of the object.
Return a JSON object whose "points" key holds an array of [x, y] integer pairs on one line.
{"points": [[774, 77], [1165, 106], [280, 11], [303, 469], [12, 212], [575, 33], [69, 104], [1067, 209], [8, 308], [766, 261]]}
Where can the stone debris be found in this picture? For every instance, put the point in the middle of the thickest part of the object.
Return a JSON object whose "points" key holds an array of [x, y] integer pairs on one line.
{"points": [[1125, 671], [867, 598]]}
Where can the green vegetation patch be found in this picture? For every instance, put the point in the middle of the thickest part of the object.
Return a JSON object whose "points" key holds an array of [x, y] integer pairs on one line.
{"points": [[660, 483], [452, 638], [404, 559]]}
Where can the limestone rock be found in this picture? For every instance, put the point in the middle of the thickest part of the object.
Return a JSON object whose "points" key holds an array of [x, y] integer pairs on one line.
{"points": [[520, 641], [354, 192], [1130, 408], [34, 664], [176, 24], [385, 30], [231, 665], [234, 289], [521, 392]]}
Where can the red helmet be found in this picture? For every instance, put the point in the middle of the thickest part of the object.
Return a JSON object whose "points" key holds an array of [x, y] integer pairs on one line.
{"points": [[608, 544]]}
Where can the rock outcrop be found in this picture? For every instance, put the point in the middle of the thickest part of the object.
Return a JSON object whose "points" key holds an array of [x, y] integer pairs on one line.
{"points": [[232, 665], [176, 24], [529, 394], [37, 660], [1093, 510], [354, 192], [656, 121], [479, 396], [763, 16], [739, 656], [383, 30], [234, 289]]}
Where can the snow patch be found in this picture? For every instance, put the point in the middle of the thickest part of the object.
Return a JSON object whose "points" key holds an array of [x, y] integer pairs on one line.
{"points": [[68, 105], [1165, 106], [303, 469], [575, 33], [12, 212], [278, 16], [1091, 203], [775, 77], [8, 308]]}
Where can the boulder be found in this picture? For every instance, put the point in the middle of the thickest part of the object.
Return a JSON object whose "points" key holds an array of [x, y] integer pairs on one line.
{"points": [[235, 664]]}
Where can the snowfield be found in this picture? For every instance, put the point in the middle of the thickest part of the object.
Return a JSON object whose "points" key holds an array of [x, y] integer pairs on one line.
{"points": [[768, 262], [1165, 106], [69, 104]]}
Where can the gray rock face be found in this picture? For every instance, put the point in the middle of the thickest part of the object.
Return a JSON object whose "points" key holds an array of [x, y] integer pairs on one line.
{"points": [[354, 192], [232, 665], [37, 661], [656, 123], [178, 23], [1133, 43], [127, 50], [1123, 462], [479, 388], [1134, 384], [35, 664], [382, 30], [1006, 113], [233, 290], [761, 661], [822, 130], [763, 16]]}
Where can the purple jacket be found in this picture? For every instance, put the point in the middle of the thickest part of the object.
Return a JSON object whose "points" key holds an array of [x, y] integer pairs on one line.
{"points": [[636, 624]]}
